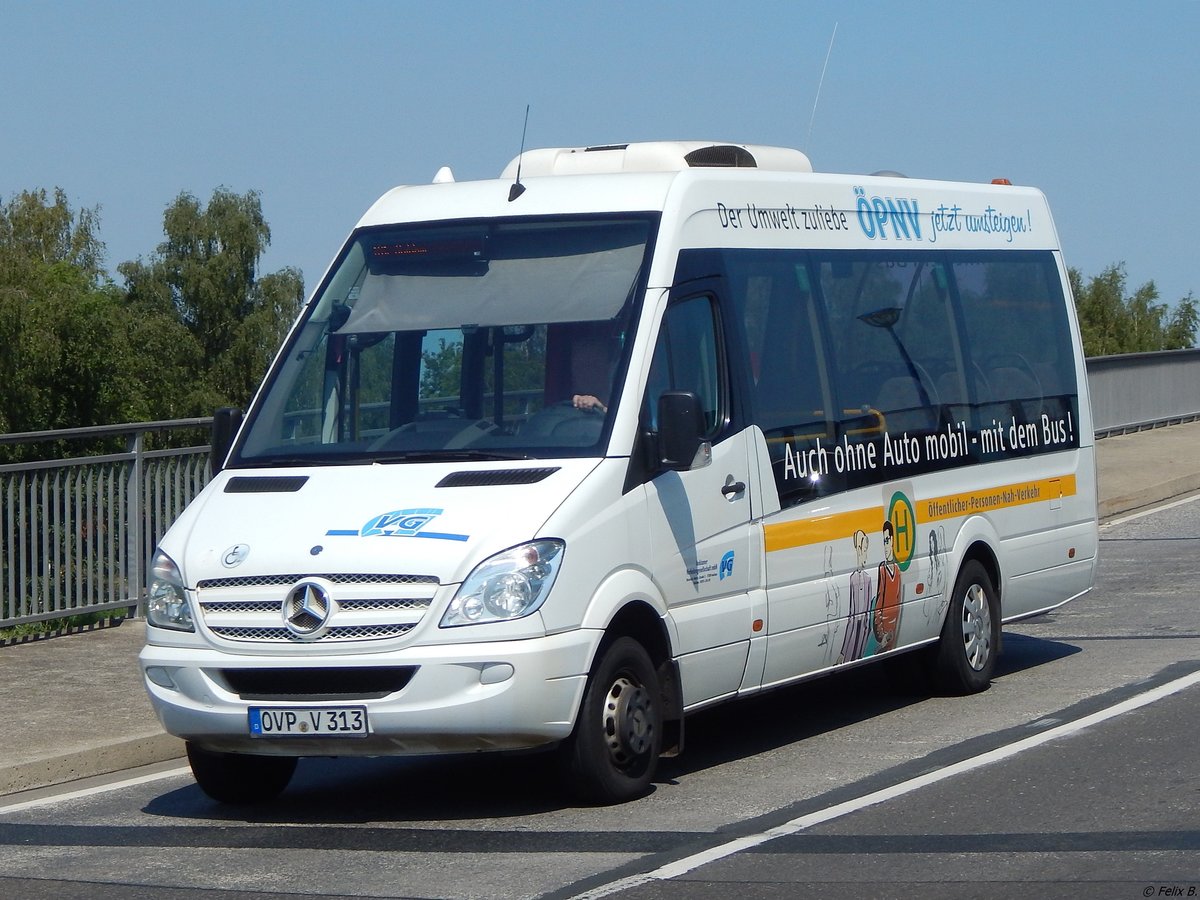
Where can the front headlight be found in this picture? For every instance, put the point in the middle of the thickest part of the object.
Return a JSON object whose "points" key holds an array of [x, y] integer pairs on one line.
{"points": [[166, 599], [506, 586]]}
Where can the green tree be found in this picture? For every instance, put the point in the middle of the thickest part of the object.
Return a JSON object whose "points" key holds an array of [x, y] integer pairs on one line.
{"points": [[1181, 329], [441, 370], [33, 231], [1113, 321], [64, 329], [206, 275]]}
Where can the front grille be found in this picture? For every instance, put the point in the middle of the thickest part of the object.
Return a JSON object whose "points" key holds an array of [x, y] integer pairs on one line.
{"points": [[364, 607], [269, 606], [286, 581], [282, 635], [368, 683]]}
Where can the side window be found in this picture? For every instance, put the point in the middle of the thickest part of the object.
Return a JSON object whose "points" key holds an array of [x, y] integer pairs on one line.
{"points": [[441, 369], [357, 381], [371, 386], [790, 387], [867, 366], [687, 358], [896, 347], [788, 383], [1021, 361]]}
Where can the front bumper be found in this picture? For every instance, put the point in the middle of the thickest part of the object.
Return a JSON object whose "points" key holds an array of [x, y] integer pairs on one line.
{"points": [[461, 697]]}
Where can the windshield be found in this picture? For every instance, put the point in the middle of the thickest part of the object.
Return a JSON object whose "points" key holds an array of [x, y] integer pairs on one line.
{"points": [[487, 340]]}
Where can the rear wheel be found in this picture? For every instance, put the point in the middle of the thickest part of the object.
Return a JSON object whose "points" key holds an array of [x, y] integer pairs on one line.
{"points": [[614, 751], [239, 778], [965, 656]]}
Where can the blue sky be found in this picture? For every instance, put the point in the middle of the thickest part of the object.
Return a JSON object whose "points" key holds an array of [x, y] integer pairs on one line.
{"points": [[323, 106]]}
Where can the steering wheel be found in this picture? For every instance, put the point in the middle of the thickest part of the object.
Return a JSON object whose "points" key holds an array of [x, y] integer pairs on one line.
{"points": [[453, 433], [547, 420]]}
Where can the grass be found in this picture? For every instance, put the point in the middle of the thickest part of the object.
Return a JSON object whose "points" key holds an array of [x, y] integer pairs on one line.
{"points": [[33, 631]]}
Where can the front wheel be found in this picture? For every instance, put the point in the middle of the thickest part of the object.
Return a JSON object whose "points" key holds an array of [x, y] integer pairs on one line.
{"points": [[239, 778], [612, 755], [965, 656]]}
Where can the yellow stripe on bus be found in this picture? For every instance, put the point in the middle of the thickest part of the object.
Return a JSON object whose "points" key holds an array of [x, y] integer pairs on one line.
{"points": [[952, 506], [823, 529]]}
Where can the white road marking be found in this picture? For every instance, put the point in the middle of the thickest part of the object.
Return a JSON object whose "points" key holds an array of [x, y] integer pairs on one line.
{"points": [[1149, 511], [687, 864], [52, 799]]}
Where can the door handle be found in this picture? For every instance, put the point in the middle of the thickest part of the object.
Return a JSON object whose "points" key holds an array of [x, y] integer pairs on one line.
{"points": [[733, 487]]}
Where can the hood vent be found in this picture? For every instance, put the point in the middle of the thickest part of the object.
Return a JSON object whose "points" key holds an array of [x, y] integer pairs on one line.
{"points": [[279, 484], [496, 477]]}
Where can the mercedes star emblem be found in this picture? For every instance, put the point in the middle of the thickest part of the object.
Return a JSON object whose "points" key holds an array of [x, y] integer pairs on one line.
{"points": [[306, 610]]}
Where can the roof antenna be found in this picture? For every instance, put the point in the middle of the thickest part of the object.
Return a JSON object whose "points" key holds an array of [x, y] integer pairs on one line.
{"points": [[816, 99], [517, 188]]}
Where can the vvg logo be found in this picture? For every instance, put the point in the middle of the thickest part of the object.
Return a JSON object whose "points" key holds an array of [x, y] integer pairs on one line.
{"points": [[726, 565], [399, 522], [904, 529]]}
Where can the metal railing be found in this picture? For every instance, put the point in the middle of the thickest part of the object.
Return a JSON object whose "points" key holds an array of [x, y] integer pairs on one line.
{"points": [[76, 533], [1144, 390]]}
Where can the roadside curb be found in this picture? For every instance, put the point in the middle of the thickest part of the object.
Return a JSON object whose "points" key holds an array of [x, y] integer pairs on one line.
{"points": [[1166, 490], [101, 760]]}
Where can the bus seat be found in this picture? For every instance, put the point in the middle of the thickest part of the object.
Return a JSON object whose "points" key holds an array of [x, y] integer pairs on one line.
{"points": [[904, 409]]}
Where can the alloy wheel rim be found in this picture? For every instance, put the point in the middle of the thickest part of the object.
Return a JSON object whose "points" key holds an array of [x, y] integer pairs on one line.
{"points": [[977, 627]]}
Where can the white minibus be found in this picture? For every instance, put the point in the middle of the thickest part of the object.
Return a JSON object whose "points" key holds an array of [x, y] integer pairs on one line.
{"points": [[556, 459]]}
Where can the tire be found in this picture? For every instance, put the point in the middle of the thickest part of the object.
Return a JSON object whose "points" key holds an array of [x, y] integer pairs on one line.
{"points": [[613, 753], [239, 778], [965, 655]]}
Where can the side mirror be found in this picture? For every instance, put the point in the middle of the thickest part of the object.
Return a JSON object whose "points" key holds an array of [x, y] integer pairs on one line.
{"points": [[226, 422], [681, 444]]}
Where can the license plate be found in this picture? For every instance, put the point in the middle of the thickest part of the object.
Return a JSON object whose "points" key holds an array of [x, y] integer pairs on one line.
{"points": [[308, 721]]}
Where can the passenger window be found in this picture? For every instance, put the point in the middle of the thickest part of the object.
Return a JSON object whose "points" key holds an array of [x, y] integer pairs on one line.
{"points": [[373, 356], [895, 343], [1017, 327], [789, 389], [441, 369], [687, 358], [865, 366]]}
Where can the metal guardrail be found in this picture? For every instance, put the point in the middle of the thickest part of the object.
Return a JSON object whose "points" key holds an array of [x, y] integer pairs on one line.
{"points": [[76, 534], [1144, 390]]}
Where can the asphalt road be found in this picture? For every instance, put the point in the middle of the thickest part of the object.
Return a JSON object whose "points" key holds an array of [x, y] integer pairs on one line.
{"points": [[1076, 774]]}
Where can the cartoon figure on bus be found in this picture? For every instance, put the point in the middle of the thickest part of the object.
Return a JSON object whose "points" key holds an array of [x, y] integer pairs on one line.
{"points": [[935, 598], [857, 626], [833, 609], [888, 595]]}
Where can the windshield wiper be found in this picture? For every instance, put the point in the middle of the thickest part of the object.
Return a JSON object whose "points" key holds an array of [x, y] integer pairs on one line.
{"points": [[406, 456], [284, 462], [392, 458]]}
